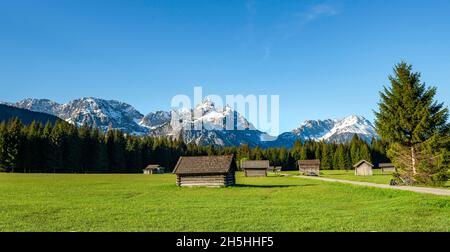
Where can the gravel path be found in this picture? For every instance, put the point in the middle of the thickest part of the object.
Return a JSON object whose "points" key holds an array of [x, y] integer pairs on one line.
{"points": [[429, 190]]}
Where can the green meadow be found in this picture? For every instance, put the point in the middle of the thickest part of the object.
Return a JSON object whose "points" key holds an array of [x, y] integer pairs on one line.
{"points": [[377, 178], [69, 202]]}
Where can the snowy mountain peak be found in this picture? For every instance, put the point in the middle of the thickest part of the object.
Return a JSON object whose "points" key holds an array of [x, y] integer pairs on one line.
{"points": [[329, 130], [38, 105], [202, 125], [92, 111]]}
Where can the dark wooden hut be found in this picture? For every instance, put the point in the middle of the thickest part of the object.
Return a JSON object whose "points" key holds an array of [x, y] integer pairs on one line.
{"points": [[309, 167], [363, 168], [212, 171], [255, 168], [387, 167]]}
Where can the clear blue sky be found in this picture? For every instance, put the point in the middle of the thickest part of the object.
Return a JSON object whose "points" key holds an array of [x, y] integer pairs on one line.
{"points": [[326, 59]]}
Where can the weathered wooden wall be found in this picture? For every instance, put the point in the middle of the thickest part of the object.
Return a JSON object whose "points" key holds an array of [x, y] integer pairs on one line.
{"points": [[309, 170], [206, 180], [363, 170], [388, 169], [255, 172]]}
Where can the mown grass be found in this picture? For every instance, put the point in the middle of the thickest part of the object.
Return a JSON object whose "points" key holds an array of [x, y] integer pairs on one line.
{"points": [[378, 177], [48, 202]]}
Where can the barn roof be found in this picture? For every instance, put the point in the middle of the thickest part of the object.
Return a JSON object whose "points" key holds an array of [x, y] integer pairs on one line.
{"points": [[361, 162], [385, 165], [152, 167], [255, 164], [309, 162], [204, 165]]}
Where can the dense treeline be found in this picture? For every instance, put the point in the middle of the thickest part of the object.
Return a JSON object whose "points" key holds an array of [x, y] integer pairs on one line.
{"points": [[65, 148]]}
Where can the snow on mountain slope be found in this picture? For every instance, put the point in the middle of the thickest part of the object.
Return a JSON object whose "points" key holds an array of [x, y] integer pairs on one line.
{"points": [[39, 105], [337, 130], [155, 119], [202, 125], [350, 125], [95, 112]]}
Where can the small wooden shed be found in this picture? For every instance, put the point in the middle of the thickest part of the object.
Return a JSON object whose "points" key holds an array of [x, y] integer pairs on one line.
{"points": [[255, 168], [211, 171], [153, 169], [309, 167], [387, 167], [363, 168]]}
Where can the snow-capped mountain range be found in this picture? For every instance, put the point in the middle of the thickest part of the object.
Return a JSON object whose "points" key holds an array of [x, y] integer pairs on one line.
{"points": [[91, 111], [330, 130], [206, 127]]}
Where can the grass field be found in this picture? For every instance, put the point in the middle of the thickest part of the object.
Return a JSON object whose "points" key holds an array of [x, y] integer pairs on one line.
{"points": [[378, 177], [47, 202]]}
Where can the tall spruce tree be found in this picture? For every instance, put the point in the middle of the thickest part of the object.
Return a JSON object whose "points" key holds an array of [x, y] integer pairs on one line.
{"points": [[327, 158], [3, 135], [13, 141], [408, 117]]}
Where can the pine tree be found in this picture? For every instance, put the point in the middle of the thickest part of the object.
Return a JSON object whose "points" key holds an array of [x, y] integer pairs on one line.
{"points": [[355, 149], [57, 138], [72, 149], [12, 142], [297, 150], [304, 153], [3, 135], [339, 158], [119, 164], [326, 161], [364, 152], [408, 117], [347, 158]]}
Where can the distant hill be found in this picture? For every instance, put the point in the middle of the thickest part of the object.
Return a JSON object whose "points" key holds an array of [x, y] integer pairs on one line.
{"points": [[26, 116]]}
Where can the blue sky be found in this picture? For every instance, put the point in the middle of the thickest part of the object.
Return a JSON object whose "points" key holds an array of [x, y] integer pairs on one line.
{"points": [[326, 59]]}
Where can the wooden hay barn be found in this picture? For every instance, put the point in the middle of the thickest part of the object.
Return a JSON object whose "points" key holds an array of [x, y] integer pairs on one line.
{"points": [[153, 169], [387, 167], [210, 171], [255, 168], [363, 168], [309, 167]]}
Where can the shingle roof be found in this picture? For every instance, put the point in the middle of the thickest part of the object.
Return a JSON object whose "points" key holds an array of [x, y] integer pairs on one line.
{"points": [[313, 163], [152, 166], [362, 161], [204, 165], [255, 164]]}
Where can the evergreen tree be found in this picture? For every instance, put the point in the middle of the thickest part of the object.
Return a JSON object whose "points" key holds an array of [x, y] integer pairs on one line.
{"points": [[408, 117], [72, 149], [354, 149], [326, 161], [339, 158], [12, 144], [304, 153], [347, 158], [57, 138], [3, 135], [364, 152]]}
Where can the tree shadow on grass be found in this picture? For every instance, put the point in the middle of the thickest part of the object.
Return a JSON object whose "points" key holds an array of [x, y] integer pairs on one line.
{"points": [[271, 186]]}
